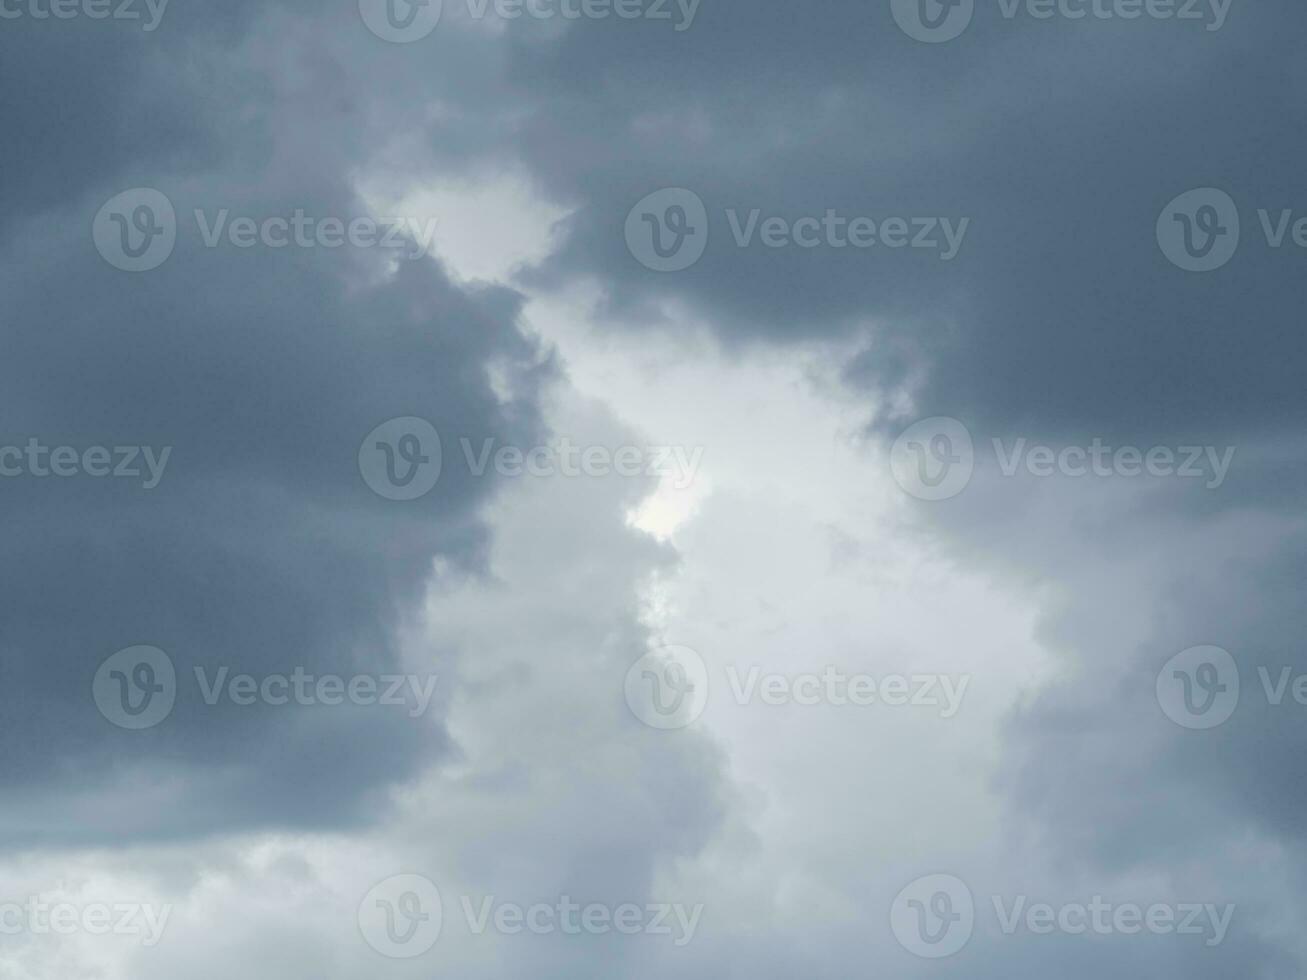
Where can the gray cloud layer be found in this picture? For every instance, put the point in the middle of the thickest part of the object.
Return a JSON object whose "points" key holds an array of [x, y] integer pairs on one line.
{"points": [[261, 549], [1059, 319]]}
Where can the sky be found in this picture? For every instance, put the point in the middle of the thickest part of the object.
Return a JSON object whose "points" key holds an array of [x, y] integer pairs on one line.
{"points": [[640, 488]]}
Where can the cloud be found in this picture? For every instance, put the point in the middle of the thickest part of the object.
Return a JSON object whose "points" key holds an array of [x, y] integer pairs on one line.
{"points": [[261, 549]]}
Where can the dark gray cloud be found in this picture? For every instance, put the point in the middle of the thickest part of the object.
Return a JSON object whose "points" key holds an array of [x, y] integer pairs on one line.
{"points": [[1060, 309], [261, 549]]}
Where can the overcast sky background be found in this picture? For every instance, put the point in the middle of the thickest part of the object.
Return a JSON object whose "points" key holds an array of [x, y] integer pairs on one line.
{"points": [[796, 547]]}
